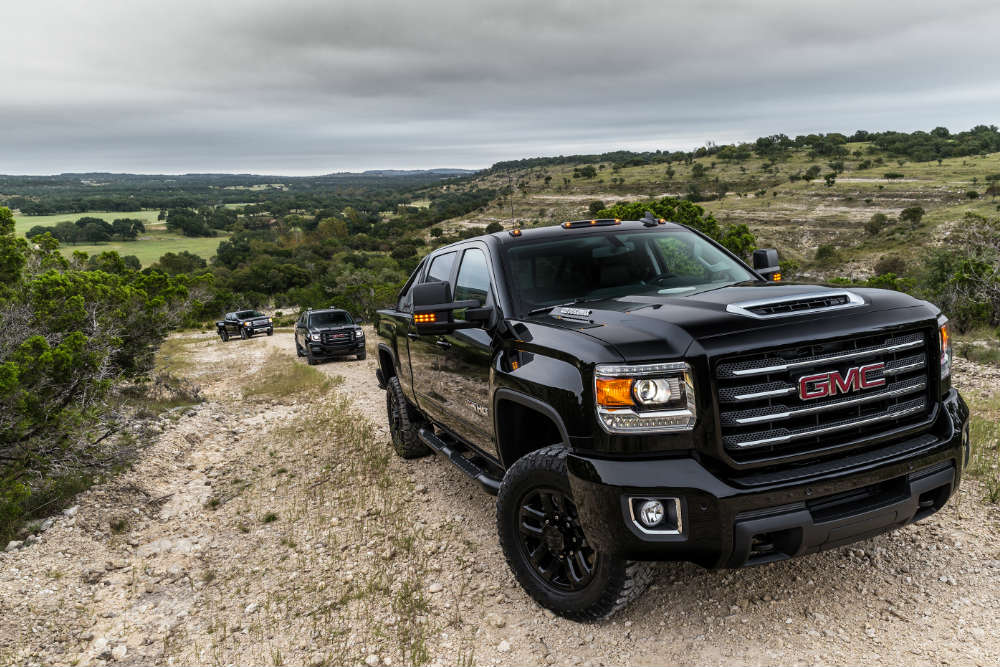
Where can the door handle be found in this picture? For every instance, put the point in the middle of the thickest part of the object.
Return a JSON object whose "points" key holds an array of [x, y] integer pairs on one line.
{"points": [[443, 344], [412, 336]]}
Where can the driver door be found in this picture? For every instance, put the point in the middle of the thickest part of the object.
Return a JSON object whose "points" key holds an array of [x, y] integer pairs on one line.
{"points": [[467, 357]]}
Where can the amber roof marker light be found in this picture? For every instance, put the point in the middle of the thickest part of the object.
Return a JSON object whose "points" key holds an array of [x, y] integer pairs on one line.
{"points": [[601, 222]]}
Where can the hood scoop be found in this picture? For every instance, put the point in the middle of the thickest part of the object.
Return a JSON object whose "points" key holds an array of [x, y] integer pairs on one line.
{"points": [[764, 309]]}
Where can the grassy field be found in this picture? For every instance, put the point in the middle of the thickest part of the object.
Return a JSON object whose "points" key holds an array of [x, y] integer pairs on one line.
{"points": [[149, 247], [22, 223]]}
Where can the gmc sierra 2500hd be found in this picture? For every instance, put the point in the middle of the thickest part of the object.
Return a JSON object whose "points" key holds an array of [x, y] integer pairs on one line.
{"points": [[634, 392]]}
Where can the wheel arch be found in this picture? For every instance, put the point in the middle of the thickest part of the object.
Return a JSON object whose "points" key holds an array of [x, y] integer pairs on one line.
{"points": [[524, 424]]}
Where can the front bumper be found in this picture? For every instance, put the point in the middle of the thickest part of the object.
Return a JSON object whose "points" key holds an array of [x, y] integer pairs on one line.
{"points": [[336, 349], [725, 524]]}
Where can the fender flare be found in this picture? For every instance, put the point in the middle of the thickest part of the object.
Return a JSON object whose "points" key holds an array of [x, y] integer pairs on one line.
{"points": [[504, 394]]}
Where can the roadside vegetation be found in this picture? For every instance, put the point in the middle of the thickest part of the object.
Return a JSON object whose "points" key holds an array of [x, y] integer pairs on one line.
{"points": [[75, 342]]}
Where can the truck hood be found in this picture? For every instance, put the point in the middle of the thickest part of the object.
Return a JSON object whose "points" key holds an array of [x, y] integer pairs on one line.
{"points": [[342, 327], [663, 325]]}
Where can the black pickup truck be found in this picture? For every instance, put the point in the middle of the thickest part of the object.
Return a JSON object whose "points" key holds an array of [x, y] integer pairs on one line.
{"points": [[329, 332], [634, 392], [244, 323]]}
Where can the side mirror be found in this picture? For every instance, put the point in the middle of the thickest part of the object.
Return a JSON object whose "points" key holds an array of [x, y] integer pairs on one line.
{"points": [[433, 309], [765, 262], [359, 321]]}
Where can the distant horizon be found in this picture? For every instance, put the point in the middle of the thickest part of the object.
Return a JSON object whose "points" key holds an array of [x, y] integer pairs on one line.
{"points": [[259, 174]]}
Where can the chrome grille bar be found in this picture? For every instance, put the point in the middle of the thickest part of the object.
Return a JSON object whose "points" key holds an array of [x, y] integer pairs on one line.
{"points": [[781, 436], [781, 412], [776, 365]]}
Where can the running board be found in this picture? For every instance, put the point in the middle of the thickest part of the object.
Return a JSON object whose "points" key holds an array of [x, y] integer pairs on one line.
{"points": [[454, 454]]}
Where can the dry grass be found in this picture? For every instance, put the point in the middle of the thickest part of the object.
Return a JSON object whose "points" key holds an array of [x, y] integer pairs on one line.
{"points": [[343, 565], [279, 378], [985, 432]]}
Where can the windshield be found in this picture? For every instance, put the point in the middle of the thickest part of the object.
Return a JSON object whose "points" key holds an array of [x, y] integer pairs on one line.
{"points": [[247, 314], [331, 319], [607, 265]]}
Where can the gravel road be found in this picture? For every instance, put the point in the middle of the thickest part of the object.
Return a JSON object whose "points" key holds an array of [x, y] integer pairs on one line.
{"points": [[182, 585]]}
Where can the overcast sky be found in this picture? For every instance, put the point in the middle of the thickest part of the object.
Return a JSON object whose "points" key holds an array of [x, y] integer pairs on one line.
{"points": [[288, 87]]}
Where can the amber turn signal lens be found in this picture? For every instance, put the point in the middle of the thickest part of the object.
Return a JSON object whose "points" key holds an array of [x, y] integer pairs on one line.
{"points": [[424, 318], [614, 392], [776, 277]]}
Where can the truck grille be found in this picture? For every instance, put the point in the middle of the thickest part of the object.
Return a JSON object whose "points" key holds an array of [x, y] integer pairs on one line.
{"points": [[337, 337], [763, 416]]}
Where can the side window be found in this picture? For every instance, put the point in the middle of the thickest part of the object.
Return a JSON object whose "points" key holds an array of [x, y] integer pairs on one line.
{"points": [[473, 280], [440, 268]]}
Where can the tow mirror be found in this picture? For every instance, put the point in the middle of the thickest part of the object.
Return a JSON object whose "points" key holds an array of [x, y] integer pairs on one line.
{"points": [[359, 321], [434, 311], [765, 262]]}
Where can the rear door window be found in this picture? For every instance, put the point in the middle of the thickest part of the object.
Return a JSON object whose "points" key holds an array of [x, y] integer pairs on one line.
{"points": [[473, 280]]}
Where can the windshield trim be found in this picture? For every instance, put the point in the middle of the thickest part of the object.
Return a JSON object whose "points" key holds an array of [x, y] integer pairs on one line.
{"points": [[344, 313], [521, 309]]}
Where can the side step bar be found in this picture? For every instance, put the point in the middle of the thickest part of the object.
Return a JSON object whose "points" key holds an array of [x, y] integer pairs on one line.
{"points": [[454, 454]]}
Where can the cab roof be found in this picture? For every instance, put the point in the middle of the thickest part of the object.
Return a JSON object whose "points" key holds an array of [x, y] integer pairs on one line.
{"points": [[592, 226]]}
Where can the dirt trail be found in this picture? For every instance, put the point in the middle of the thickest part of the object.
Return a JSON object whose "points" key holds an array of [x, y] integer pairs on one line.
{"points": [[184, 584]]}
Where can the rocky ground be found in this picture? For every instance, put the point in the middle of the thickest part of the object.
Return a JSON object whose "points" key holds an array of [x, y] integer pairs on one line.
{"points": [[271, 525]]}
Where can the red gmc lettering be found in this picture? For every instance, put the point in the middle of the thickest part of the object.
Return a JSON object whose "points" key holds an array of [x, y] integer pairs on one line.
{"points": [[829, 384]]}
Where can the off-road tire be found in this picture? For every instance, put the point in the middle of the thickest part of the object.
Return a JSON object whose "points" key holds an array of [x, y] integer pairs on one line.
{"points": [[270, 332], [615, 581], [298, 350], [310, 358], [243, 333], [404, 422], [362, 355], [224, 335]]}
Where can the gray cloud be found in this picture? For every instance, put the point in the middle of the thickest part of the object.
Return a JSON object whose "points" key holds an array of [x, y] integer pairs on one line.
{"points": [[313, 87]]}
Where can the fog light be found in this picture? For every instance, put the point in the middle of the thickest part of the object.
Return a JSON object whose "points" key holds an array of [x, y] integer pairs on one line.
{"points": [[656, 516], [651, 513]]}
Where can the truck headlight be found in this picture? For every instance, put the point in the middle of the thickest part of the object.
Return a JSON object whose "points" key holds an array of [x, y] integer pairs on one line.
{"points": [[359, 332], [316, 337], [944, 335], [246, 324], [645, 398]]}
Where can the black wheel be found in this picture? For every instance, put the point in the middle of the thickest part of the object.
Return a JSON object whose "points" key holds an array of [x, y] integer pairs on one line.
{"points": [[310, 358], [547, 550], [224, 335], [243, 333], [270, 332], [404, 422], [362, 355]]}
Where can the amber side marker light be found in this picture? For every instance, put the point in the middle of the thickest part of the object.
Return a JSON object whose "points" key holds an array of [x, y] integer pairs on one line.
{"points": [[776, 277], [515, 232], [424, 318], [614, 392]]}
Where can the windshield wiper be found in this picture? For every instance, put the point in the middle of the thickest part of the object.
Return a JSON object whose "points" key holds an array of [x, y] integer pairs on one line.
{"points": [[545, 309]]}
